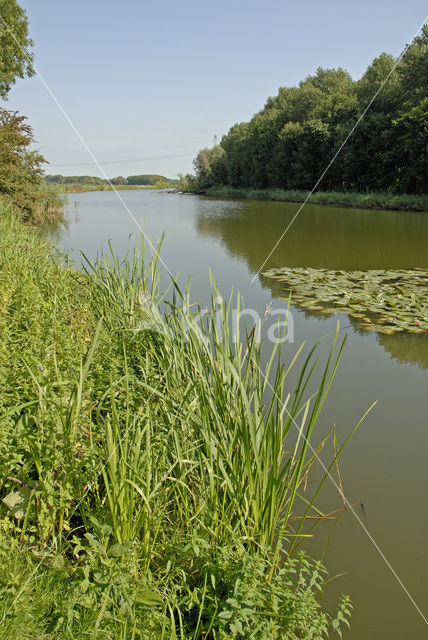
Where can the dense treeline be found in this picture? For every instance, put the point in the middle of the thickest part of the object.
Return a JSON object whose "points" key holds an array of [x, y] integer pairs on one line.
{"points": [[144, 180], [290, 142]]}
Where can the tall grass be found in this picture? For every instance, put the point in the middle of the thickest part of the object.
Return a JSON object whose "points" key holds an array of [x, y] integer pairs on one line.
{"points": [[373, 200], [156, 464], [47, 204], [235, 414]]}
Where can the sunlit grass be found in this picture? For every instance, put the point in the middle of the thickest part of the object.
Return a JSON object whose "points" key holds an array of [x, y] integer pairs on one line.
{"points": [[159, 464], [373, 200]]}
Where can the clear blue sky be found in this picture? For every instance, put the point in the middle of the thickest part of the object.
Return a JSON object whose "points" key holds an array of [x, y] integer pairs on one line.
{"points": [[150, 83]]}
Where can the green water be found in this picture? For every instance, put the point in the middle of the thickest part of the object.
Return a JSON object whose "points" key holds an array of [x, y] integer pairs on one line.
{"points": [[384, 466]]}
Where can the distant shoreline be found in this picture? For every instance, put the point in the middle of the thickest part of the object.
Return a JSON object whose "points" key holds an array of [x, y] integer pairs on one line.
{"points": [[373, 200], [84, 188]]}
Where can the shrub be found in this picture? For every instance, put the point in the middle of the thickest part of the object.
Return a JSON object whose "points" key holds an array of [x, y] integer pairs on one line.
{"points": [[21, 174]]}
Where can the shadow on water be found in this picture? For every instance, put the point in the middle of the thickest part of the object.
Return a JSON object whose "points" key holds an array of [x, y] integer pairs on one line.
{"points": [[384, 465], [327, 238], [320, 237]]}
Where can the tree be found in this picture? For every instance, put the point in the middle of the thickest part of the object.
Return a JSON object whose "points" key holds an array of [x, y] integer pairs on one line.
{"points": [[16, 59], [414, 69], [411, 151], [290, 142], [210, 166], [119, 180], [21, 175]]}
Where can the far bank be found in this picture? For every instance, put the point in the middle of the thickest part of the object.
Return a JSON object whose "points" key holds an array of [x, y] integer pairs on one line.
{"points": [[372, 200]]}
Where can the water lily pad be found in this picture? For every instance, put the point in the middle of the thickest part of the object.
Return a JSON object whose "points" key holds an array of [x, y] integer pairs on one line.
{"points": [[396, 300]]}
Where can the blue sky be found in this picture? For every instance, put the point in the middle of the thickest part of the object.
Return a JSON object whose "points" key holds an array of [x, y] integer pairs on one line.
{"points": [[149, 84]]}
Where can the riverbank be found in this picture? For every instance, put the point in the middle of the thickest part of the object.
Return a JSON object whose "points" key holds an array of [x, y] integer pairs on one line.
{"points": [[334, 198], [47, 205], [143, 475]]}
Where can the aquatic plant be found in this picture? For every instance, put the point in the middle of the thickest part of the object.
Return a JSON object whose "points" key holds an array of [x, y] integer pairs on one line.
{"points": [[154, 473], [373, 200], [386, 301]]}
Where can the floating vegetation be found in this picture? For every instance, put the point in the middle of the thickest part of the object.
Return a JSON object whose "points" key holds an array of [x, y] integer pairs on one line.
{"points": [[380, 300]]}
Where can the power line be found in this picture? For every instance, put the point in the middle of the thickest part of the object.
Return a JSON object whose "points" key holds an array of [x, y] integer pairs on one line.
{"points": [[89, 164]]}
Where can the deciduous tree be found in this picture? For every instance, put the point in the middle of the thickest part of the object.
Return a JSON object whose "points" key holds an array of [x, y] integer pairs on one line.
{"points": [[16, 58]]}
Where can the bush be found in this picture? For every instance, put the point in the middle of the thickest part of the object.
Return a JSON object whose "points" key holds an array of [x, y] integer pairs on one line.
{"points": [[21, 174]]}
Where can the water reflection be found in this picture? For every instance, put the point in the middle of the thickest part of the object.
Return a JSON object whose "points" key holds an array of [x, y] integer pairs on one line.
{"points": [[406, 348], [384, 465], [329, 238], [321, 237]]}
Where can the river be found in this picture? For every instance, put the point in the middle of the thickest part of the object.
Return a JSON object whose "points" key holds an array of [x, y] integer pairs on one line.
{"points": [[384, 467]]}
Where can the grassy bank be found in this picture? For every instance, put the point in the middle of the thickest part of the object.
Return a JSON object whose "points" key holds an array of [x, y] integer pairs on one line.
{"points": [[146, 488], [332, 198], [47, 206]]}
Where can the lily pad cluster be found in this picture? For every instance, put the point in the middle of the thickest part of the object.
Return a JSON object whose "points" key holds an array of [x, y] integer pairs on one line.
{"points": [[380, 300]]}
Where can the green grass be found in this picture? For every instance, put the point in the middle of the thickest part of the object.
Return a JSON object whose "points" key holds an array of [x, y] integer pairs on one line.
{"points": [[151, 477], [390, 201], [47, 205]]}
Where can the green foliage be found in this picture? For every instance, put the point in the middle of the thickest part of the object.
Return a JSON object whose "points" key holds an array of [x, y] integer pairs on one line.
{"points": [[414, 70], [291, 141], [16, 58], [90, 180], [87, 183], [143, 465], [146, 179], [377, 200], [21, 174], [120, 180], [198, 593], [187, 183], [210, 166], [164, 183]]}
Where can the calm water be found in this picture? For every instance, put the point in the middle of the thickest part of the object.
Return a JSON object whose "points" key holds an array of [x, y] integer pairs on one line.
{"points": [[385, 465]]}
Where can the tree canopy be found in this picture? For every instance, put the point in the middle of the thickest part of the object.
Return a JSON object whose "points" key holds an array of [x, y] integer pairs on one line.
{"points": [[16, 58], [290, 142], [21, 174]]}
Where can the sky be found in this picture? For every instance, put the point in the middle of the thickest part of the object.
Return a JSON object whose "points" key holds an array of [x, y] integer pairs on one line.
{"points": [[148, 84]]}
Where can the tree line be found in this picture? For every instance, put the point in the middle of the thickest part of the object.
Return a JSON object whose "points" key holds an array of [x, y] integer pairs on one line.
{"points": [[143, 180], [291, 141]]}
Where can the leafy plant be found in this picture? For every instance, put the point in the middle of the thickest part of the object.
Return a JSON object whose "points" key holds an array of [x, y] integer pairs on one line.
{"points": [[21, 174], [16, 58], [152, 471]]}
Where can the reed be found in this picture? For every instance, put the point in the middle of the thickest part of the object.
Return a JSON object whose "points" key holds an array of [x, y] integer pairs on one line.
{"points": [[373, 200], [159, 466]]}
